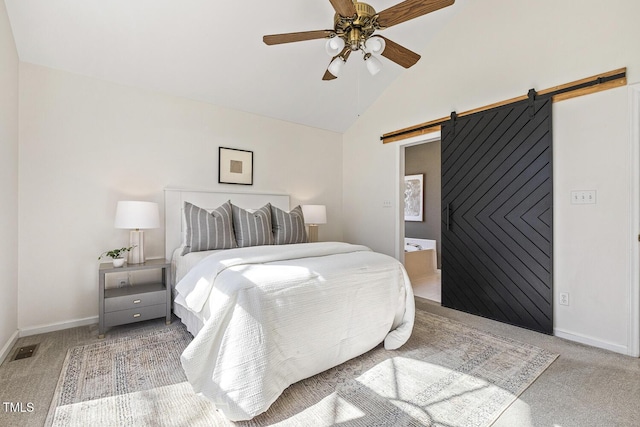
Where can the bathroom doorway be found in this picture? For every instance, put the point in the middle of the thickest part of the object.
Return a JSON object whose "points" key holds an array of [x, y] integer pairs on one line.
{"points": [[422, 220]]}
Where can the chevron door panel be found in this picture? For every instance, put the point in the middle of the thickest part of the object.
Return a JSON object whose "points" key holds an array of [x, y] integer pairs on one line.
{"points": [[497, 234]]}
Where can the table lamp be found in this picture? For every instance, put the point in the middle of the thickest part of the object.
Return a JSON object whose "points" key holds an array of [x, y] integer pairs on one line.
{"points": [[137, 216], [314, 215]]}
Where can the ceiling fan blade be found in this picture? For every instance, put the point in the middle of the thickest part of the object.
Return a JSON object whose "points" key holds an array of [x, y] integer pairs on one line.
{"points": [[409, 9], [328, 76], [345, 54], [399, 54], [344, 8], [297, 37]]}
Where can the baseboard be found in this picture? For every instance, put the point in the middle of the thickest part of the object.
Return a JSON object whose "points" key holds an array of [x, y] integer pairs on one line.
{"points": [[4, 352], [623, 349], [51, 327]]}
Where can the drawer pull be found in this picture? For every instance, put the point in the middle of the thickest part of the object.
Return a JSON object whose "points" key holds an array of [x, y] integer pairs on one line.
{"points": [[136, 315], [136, 301]]}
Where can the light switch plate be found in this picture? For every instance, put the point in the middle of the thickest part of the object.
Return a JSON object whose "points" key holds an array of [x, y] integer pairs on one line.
{"points": [[583, 197]]}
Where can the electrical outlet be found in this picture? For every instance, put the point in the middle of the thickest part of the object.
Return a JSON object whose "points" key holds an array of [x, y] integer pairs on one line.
{"points": [[564, 298], [117, 280]]}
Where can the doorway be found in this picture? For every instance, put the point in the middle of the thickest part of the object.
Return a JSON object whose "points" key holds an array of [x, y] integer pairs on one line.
{"points": [[422, 219]]}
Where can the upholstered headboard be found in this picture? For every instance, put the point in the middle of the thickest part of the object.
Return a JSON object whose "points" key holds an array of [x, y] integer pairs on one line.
{"points": [[174, 199]]}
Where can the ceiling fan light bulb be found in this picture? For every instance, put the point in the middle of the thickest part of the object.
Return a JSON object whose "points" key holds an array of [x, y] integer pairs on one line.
{"points": [[373, 65], [336, 66], [376, 45], [334, 46]]}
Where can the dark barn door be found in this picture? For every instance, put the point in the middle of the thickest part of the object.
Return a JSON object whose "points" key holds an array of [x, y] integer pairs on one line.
{"points": [[497, 214]]}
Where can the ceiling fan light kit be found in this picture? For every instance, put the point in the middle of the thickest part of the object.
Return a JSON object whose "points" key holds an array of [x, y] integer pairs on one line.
{"points": [[373, 64], [375, 45], [354, 25], [334, 46], [336, 65]]}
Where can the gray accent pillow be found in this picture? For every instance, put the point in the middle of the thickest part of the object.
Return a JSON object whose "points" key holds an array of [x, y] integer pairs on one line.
{"points": [[207, 231], [252, 228], [288, 227]]}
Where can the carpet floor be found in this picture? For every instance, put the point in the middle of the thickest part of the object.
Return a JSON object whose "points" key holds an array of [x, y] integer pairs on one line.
{"points": [[448, 374], [584, 387]]}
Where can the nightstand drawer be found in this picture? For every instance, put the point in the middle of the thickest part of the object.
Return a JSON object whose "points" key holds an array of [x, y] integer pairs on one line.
{"points": [[134, 301], [135, 315]]}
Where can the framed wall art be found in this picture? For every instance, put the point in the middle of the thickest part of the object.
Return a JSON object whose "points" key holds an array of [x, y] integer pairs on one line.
{"points": [[235, 166], [414, 197]]}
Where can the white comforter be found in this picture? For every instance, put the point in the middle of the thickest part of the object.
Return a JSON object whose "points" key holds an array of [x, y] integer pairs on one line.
{"points": [[279, 314]]}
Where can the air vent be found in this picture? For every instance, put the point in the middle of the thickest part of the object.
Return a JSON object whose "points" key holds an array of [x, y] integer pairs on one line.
{"points": [[25, 352]]}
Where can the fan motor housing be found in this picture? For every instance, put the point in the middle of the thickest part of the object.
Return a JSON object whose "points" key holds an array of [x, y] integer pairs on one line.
{"points": [[364, 9], [363, 23]]}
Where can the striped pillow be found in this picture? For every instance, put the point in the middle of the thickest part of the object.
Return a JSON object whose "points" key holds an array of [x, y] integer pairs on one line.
{"points": [[252, 228], [206, 231], [288, 227]]}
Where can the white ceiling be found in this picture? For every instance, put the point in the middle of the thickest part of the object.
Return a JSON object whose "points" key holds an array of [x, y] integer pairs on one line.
{"points": [[212, 51]]}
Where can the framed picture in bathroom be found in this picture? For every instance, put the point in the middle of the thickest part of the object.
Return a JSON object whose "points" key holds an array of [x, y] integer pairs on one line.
{"points": [[414, 197]]}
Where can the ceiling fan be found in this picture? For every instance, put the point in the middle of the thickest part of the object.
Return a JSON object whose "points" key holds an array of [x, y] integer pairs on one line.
{"points": [[354, 25]]}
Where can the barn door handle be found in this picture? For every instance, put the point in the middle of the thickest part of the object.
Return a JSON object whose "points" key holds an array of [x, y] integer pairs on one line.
{"points": [[448, 216]]}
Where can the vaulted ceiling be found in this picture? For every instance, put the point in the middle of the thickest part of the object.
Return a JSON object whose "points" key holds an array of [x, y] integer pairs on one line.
{"points": [[212, 51]]}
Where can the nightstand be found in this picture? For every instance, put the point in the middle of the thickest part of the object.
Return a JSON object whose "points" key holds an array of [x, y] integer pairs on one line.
{"points": [[129, 304]]}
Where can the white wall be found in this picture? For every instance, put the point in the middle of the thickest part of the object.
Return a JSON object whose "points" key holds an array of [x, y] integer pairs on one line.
{"points": [[85, 144], [8, 184], [498, 49], [591, 242]]}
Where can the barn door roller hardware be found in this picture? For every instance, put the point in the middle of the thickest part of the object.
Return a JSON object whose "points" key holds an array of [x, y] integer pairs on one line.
{"points": [[454, 117], [600, 82], [532, 102]]}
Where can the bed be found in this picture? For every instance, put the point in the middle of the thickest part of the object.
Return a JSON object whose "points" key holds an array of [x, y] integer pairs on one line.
{"points": [[266, 316]]}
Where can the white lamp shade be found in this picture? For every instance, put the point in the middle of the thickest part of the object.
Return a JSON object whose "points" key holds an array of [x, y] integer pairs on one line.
{"points": [[336, 66], [376, 45], [373, 65], [314, 214], [334, 46], [137, 215]]}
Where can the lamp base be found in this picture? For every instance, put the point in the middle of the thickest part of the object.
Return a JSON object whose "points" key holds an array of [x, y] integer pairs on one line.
{"points": [[313, 233], [136, 255]]}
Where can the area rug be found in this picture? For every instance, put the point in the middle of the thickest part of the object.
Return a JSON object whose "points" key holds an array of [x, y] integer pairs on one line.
{"points": [[448, 374]]}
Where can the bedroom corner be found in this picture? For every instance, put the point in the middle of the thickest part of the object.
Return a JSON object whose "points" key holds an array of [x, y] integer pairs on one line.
{"points": [[9, 84]]}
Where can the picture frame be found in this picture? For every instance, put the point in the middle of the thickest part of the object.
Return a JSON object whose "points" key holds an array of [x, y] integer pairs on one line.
{"points": [[235, 166], [414, 197]]}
